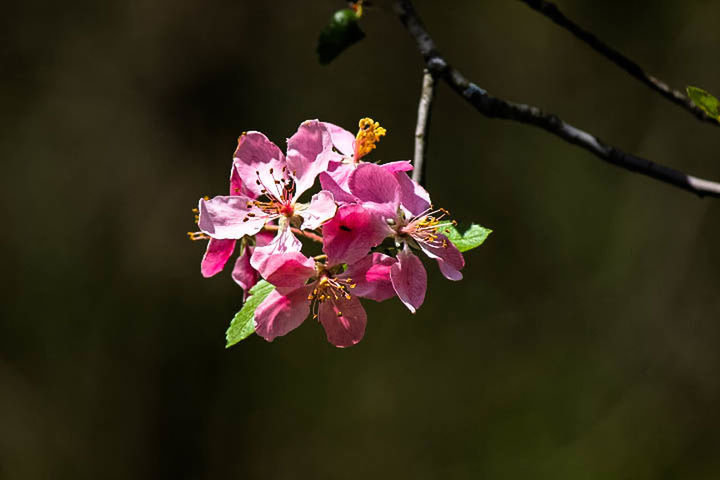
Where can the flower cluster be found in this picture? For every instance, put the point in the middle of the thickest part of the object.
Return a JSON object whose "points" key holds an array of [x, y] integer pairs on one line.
{"points": [[370, 219]]}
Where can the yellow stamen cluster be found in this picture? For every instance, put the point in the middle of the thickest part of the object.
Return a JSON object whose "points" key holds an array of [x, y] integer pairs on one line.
{"points": [[368, 135], [327, 288]]}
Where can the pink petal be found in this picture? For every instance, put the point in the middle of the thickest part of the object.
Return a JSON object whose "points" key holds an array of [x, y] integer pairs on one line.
{"points": [[342, 140], [372, 183], [352, 232], [344, 321], [340, 194], [236, 183], [216, 256], [281, 263], [224, 217], [413, 197], [409, 279], [281, 313], [255, 153], [399, 166], [243, 273], [308, 153], [263, 238], [340, 173], [449, 258], [321, 209], [371, 276]]}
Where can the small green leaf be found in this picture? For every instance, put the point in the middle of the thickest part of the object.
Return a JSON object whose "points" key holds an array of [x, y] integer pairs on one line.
{"points": [[342, 32], [705, 100], [472, 238], [243, 324]]}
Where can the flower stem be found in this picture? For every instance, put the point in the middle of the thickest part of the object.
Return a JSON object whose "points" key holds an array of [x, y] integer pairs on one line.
{"points": [[309, 235]]}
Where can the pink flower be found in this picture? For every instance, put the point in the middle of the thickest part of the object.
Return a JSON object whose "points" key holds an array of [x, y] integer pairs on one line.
{"points": [[352, 232], [351, 149], [404, 210], [277, 181], [331, 296], [219, 250]]}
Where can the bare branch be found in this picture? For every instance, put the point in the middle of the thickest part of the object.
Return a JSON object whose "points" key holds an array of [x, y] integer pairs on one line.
{"points": [[678, 98], [423, 126], [494, 107]]}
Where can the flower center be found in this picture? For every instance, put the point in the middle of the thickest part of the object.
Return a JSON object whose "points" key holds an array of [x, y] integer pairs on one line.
{"points": [[426, 227], [368, 135], [278, 195], [329, 288]]}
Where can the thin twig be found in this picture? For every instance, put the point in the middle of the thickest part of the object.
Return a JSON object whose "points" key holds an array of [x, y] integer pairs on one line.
{"points": [[552, 12], [296, 231], [494, 107], [423, 126]]}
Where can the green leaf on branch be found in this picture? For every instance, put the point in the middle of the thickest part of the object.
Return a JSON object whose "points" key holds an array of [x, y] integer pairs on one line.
{"points": [[472, 238], [342, 32], [243, 324], [705, 100]]}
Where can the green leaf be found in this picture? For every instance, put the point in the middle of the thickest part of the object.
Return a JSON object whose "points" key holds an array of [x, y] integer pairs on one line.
{"points": [[705, 100], [342, 32], [472, 238], [243, 325]]}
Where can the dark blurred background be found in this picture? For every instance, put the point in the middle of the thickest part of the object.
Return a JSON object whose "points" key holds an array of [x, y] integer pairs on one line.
{"points": [[584, 341]]}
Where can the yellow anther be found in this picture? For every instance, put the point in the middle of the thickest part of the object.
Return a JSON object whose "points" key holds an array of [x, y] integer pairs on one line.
{"points": [[357, 8], [368, 135], [194, 236]]}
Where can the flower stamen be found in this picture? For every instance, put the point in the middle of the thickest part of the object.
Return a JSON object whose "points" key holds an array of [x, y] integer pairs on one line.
{"points": [[368, 135], [195, 236], [329, 288]]}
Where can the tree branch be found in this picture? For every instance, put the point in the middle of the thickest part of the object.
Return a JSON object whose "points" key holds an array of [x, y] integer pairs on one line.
{"points": [[494, 107], [423, 126], [678, 98]]}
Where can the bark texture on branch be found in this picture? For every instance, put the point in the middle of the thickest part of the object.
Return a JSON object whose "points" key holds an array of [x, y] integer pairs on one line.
{"points": [[494, 107]]}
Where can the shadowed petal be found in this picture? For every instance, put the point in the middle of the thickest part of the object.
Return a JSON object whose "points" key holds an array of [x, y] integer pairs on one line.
{"points": [[308, 153], [449, 258], [281, 313], [236, 183], [344, 321], [409, 279], [340, 172], [413, 197], [371, 276], [352, 232], [230, 217], [243, 273], [372, 183], [340, 194], [255, 153], [321, 209], [216, 256]]}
